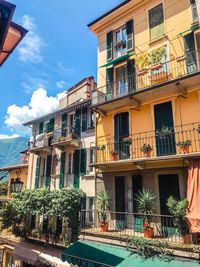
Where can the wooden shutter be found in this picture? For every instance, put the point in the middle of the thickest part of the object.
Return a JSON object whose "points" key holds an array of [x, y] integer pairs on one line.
{"points": [[124, 124], [83, 162], [109, 42], [48, 171], [131, 75], [78, 123], [41, 127], [109, 83], [50, 126], [84, 119], [62, 170], [37, 172], [156, 22], [76, 167], [129, 35]]}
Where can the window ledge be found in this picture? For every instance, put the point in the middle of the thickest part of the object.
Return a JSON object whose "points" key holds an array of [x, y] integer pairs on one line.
{"points": [[158, 39], [90, 175]]}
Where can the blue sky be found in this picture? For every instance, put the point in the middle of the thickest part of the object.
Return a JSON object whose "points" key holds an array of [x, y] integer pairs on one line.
{"points": [[58, 51]]}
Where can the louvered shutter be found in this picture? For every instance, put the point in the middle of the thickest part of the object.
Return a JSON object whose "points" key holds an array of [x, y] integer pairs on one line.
{"points": [[62, 170], [48, 171], [84, 119], [130, 35], [109, 42], [78, 123], [109, 83], [41, 127], [37, 172], [131, 75], [83, 162], [76, 167]]}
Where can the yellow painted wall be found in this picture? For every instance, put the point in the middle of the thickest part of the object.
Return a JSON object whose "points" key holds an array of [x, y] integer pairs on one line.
{"points": [[22, 175]]}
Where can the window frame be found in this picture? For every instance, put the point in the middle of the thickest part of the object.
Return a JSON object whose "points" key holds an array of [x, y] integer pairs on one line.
{"points": [[122, 49]]}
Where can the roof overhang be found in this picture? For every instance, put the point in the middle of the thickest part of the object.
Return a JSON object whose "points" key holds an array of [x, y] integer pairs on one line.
{"points": [[14, 36]]}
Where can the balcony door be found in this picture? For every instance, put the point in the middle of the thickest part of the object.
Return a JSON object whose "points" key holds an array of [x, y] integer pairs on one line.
{"points": [[191, 61], [164, 129], [121, 131], [121, 81], [136, 188], [120, 202]]}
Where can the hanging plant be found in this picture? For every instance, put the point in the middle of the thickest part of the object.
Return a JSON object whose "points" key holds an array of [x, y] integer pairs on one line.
{"points": [[156, 56], [142, 62]]}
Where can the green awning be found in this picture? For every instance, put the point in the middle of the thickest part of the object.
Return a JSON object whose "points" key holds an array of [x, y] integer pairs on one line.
{"points": [[93, 254], [116, 60], [192, 28]]}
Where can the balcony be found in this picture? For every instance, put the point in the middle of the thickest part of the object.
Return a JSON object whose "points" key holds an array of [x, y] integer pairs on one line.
{"points": [[41, 143], [66, 137], [151, 148], [176, 76]]}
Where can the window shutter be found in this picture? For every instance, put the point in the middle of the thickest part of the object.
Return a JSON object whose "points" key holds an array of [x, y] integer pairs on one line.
{"points": [[124, 124], [76, 167], [83, 161], [64, 124], [130, 35], [48, 171], [156, 22], [109, 83], [62, 170], [84, 119], [41, 127], [37, 172], [50, 126], [109, 46], [131, 75], [78, 123]]}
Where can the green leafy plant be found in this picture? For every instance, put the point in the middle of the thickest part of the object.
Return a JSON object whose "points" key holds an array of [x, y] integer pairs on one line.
{"points": [[148, 248], [145, 148], [178, 210], [145, 201], [183, 144], [156, 55], [164, 132], [143, 61], [101, 147], [103, 198]]}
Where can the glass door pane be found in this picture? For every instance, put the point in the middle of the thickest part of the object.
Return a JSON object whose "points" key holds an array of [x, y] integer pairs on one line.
{"points": [[122, 81], [197, 47]]}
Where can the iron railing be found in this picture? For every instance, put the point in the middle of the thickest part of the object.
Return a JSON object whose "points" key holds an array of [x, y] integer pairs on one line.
{"points": [[163, 142], [126, 224], [40, 141], [62, 134], [158, 74]]}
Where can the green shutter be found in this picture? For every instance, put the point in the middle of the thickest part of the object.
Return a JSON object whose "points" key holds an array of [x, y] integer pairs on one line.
{"points": [[130, 35], [37, 172], [48, 171], [41, 127], [83, 202], [78, 123], [109, 46], [50, 126], [131, 75], [156, 22], [109, 83], [84, 119], [83, 162], [76, 167], [62, 170]]}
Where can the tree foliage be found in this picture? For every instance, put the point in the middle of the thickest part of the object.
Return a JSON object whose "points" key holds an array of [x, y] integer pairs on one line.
{"points": [[65, 204]]}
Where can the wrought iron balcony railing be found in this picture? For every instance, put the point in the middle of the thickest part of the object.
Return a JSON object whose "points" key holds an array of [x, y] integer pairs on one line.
{"points": [[64, 134], [167, 141], [156, 74]]}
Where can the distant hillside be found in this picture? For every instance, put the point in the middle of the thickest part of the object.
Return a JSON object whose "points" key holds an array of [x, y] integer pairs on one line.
{"points": [[10, 150]]}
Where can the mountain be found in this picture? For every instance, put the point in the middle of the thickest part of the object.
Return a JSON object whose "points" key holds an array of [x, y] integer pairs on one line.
{"points": [[10, 150]]}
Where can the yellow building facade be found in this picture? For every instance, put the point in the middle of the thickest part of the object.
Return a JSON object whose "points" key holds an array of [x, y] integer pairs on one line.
{"points": [[147, 101]]}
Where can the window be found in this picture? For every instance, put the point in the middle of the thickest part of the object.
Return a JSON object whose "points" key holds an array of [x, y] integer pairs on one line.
{"points": [[90, 119], [122, 81], [194, 10], [92, 154], [156, 22], [41, 127], [120, 42], [84, 119]]}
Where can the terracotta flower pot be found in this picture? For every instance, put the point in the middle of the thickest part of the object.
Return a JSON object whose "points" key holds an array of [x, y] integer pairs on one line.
{"points": [[156, 66], [142, 72], [188, 239], [185, 149], [113, 156], [148, 232], [147, 154], [103, 227]]}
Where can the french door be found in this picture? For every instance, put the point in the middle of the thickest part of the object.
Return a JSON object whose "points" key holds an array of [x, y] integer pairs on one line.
{"points": [[122, 81]]}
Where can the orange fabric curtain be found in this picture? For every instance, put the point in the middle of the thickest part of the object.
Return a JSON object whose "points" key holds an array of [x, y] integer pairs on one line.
{"points": [[193, 195]]}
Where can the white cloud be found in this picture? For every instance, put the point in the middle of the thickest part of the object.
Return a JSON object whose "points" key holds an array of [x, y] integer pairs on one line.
{"points": [[61, 84], [5, 136], [40, 104], [31, 47]]}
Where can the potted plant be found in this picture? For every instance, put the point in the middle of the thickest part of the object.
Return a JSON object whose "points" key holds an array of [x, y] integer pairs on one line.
{"points": [[178, 210], [185, 146], [146, 149], [101, 147], [164, 132], [103, 199], [145, 201], [142, 63], [156, 56], [114, 155], [127, 140]]}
